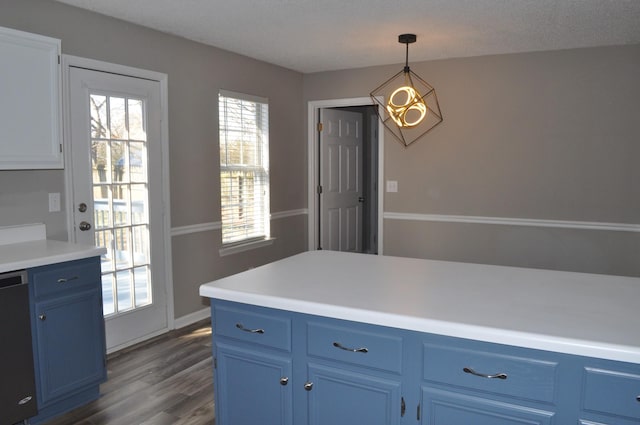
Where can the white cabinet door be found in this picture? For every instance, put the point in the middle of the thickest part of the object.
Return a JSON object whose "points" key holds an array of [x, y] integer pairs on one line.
{"points": [[29, 101]]}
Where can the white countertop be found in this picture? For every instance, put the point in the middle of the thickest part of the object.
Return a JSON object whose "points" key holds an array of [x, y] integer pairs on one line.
{"points": [[23, 255], [25, 246], [574, 313]]}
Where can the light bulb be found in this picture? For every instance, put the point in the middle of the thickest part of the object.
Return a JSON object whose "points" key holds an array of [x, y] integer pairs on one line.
{"points": [[403, 104]]}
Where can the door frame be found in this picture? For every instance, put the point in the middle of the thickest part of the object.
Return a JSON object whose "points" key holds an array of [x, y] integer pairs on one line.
{"points": [[69, 61], [313, 109]]}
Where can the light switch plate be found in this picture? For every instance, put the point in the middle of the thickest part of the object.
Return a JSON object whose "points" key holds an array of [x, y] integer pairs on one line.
{"points": [[392, 186], [54, 202]]}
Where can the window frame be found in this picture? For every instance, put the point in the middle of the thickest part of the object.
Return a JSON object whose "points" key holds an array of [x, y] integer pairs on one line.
{"points": [[260, 167]]}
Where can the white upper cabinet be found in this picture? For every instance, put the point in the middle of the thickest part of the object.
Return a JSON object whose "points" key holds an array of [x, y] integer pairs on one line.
{"points": [[30, 102]]}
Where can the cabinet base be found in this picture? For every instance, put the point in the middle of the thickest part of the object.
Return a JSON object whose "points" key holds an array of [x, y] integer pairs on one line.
{"points": [[63, 406]]}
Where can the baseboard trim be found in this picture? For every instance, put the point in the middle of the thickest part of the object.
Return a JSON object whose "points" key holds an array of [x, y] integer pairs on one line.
{"points": [[192, 318], [587, 225]]}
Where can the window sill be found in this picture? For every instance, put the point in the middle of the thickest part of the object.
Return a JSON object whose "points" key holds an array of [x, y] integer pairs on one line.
{"points": [[224, 251]]}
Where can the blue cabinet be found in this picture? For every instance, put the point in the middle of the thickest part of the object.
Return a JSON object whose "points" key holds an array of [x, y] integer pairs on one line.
{"points": [[355, 371], [470, 382], [256, 385], [337, 373], [340, 373], [442, 407], [68, 335], [610, 393], [344, 396], [252, 353]]}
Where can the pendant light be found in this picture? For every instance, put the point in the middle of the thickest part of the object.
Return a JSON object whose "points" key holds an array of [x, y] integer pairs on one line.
{"points": [[411, 108]]}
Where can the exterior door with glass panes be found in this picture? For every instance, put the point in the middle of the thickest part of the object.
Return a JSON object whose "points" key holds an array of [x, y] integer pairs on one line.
{"points": [[116, 158]]}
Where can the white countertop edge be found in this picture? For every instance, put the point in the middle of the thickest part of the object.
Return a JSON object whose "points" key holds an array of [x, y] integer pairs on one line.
{"points": [[77, 252], [459, 330]]}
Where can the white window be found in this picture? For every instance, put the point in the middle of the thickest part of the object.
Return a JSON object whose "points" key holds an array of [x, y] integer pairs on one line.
{"points": [[244, 167]]}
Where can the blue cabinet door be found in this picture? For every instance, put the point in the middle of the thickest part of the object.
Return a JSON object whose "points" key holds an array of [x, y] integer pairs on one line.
{"points": [[441, 407], [252, 386], [348, 397], [70, 345]]}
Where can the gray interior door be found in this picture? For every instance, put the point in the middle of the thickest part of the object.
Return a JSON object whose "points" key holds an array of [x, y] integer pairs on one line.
{"points": [[341, 177]]}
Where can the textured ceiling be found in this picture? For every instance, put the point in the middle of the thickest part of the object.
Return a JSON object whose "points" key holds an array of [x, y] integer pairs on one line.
{"points": [[320, 35]]}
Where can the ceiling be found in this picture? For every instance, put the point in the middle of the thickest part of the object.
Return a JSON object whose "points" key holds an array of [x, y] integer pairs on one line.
{"points": [[321, 35]]}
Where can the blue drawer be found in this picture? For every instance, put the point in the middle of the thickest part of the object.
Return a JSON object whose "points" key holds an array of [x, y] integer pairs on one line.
{"points": [[450, 408], [250, 326], [611, 392], [525, 378], [62, 277], [358, 347]]}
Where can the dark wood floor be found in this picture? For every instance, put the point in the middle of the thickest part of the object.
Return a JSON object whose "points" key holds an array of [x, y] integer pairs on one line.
{"points": [[168, 380]]}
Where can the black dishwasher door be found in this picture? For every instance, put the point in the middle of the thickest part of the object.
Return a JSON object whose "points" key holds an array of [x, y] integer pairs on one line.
{"points": [[17, 379]]}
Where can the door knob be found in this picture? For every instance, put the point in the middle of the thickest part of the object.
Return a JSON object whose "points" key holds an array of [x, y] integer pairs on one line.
{"points": [[82, 207], [308, 386], [361, 199], [284, 381], [84, 226]]}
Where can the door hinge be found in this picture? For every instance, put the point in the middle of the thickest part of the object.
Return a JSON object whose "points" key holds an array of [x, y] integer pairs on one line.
{"points": [[60, 147], [418, 411], [319, 126], [319, 189], [403, 407], [58, 59], [215, 363]]}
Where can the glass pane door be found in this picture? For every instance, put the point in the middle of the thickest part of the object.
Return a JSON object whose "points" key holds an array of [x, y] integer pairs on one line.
{"points": [[121, 200]]}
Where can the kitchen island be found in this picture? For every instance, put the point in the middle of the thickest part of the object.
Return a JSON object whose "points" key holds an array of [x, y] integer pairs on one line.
{"points": [[528, 345]]}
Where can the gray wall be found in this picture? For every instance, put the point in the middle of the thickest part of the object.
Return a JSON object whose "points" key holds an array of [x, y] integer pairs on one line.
{"points": [[196, 73], [549, 135]]}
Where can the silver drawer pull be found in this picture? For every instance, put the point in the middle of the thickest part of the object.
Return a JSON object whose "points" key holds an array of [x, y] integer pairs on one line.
{"points": [[638, 399], [25, 400], [253, 331], [353, 350], [482, 375], [65, 279]]}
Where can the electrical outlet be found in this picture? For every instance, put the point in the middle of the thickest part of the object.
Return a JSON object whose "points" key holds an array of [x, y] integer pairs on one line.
{"points": [[54, 202]]}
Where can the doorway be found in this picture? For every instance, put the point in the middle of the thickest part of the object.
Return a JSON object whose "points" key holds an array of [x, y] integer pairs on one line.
{"points": [[117, 194], [345, 175]]}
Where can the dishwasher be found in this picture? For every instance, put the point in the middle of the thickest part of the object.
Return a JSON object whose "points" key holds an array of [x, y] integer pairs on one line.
{"points": [[17, 385]]}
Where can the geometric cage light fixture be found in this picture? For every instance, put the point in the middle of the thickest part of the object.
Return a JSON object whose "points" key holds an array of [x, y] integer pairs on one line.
{"points": [[410, 108]]}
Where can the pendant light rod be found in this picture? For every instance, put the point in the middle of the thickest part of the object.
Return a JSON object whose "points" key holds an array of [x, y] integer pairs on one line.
{"points": [[407, 39]]}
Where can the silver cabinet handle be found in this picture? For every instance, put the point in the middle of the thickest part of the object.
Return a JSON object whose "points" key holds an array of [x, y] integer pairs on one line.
{"points": [[67, 279], [353, 350], [638, 399], [482, 375], [308, 386], [25, 400], [42, 317], [253, 331], [284, 381]]}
